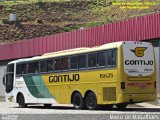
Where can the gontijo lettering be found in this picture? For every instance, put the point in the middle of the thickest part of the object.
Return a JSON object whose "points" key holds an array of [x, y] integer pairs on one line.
{"points": [[64, 78], [139, 62]]}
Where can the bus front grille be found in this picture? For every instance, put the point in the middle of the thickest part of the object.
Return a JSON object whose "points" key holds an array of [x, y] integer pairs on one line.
{"points": [[109, 94]]}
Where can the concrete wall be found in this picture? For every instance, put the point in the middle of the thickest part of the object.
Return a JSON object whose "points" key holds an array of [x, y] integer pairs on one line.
{"points": [[2, 89], [3, 66]]}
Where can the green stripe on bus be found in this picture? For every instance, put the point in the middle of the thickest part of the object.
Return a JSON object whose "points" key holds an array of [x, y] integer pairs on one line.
{"points": [[41, 87], [36, 87]]}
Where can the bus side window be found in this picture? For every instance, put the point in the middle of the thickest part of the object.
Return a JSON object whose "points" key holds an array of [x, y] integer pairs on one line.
{"points": [[111, 58], [43, 66], [33, 67], [19, 69], [36, 67], [24, 68], [82, 61], [30, 68], [92, 60], [74, 63], [114, 58], [58, 64], [50, 65], [65, 63], [101, 59]]}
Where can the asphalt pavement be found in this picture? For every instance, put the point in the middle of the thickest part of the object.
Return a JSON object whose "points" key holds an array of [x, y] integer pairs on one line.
{"points": [[141, 111]]}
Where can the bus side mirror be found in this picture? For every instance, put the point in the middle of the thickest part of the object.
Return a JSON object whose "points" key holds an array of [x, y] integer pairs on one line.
{"points": [[4, 80]]}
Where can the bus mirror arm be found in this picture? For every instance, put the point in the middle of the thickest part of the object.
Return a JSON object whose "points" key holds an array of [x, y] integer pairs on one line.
{"points": [[4, 80]]}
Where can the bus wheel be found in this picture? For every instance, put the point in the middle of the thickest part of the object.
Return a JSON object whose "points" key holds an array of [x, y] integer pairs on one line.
{"points": [[21, 101], [47, 105], [78, 102], [91, 101], [121, 106]]}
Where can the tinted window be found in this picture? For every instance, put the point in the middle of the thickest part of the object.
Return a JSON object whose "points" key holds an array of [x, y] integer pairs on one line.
{"points": [[114, 58], [10, 68], [50, 65], [9, 82], [33, 67], [58, 64], [30, 68], [92, 60], [82, 61], [43, 66], [21, 69], [24, 68], [65, 63], [111, 58], [74, 62], [101, 59]]}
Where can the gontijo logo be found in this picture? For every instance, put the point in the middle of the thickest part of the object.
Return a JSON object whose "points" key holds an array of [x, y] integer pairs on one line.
{"points": [[139, 51]]}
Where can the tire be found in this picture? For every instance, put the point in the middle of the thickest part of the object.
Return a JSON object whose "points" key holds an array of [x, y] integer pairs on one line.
{"points": [[78, 102], [21, 101], [47, 105], [121, 106], [91, 101]]}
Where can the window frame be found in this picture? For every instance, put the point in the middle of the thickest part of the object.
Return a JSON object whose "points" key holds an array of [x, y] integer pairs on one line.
{"points": [[53, 59], [105, 66], [111, 66], [45, 60], [88, 60], [25, 63], [38, 67], [55, 65], [52, 65], [86, 66], [70, 63]]}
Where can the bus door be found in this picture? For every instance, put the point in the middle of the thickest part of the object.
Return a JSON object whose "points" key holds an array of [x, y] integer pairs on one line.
{"points": [[8, 78]]}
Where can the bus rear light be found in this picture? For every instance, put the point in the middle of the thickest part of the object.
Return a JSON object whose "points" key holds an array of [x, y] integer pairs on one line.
{"points": [[140, 84], [122, 85]]}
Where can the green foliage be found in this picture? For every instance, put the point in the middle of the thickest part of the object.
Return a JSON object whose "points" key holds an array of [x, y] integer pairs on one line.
{"points": [[5, 21], [92, 24], [71, 28], [15, 2], [45, 17]]}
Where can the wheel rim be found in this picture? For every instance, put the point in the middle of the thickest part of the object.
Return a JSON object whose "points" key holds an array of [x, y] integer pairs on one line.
{"points": [[91, 101]]}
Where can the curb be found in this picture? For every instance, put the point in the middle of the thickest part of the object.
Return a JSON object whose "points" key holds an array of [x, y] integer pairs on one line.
{"points": [[148, 105]]}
